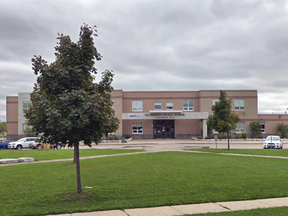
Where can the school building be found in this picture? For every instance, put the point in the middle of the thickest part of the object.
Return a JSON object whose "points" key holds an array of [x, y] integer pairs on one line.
{"points": [[163, 114]]}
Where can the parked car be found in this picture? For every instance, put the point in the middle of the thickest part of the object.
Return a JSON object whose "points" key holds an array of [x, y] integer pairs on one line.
{"points": [[37, 145], [25, 142], [273, 142], [4, 143]]}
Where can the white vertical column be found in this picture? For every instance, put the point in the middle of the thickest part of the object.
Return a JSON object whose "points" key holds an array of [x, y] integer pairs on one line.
{"points": [[204, 128]]}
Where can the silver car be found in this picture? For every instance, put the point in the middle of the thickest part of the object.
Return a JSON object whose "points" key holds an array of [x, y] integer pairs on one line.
{"points": [[273, 142]]}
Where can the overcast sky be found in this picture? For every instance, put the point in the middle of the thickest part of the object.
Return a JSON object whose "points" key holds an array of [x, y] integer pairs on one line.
{"points": [[156, 45]]}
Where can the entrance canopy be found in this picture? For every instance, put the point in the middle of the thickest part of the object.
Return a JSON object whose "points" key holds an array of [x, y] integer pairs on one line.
{"points": [[166, 114], [169, 115]]}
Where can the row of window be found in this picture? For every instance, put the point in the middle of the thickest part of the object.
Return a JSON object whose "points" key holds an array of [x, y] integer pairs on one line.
{"points": [[137, 128], [137, 105], [241, 127], [188, 105]]}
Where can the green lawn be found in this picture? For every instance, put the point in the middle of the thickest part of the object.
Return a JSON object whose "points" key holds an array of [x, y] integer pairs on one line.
{"points": [[267, 152], [281, 211], [143, 180], [59, 154]]}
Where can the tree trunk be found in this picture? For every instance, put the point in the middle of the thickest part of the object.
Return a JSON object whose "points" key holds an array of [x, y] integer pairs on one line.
{"points": [[76, 159], [74, 156], [228, 140]]}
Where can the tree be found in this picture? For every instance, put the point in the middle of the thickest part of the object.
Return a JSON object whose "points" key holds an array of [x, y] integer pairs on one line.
{"points": [[255, 128], [223, 119], [66, 105], [282, 130], [3, 127]]}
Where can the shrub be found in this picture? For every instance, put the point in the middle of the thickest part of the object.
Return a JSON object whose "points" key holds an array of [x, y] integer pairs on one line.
{"points": [[127, 136], [244, 135], [112, 137], [282, 130]]}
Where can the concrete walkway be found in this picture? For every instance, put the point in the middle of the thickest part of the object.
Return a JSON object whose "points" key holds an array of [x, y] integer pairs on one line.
{"points": [[191, 209]]}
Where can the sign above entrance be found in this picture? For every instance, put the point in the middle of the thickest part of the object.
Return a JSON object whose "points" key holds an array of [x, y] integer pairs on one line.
{"points": [[164, 115], [183, 115], [135, 115]]}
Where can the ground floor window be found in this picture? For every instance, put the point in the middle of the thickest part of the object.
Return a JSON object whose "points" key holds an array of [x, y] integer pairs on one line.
{"points": [[240, 127], [137, 128], [262, 129]]}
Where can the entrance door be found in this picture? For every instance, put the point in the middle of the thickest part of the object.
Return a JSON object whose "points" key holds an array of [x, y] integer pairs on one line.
{"points": [[163, 129]]}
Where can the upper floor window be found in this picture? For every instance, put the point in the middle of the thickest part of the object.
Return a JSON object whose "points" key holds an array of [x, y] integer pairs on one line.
{"points": [[240, 127], [137, 105], [157, 106], [239, 104], [169, 106], [188, 105], [26, 104], [215, 100]]}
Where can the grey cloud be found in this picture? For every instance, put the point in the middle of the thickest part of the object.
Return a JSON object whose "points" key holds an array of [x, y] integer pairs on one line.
{"points": [[156, 45]]}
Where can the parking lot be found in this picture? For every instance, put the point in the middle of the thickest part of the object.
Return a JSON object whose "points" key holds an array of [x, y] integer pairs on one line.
{"points": [[157, 145]]}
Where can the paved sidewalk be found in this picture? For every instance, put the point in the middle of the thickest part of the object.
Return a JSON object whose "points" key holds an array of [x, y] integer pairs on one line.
{"points": [[191, 209]]}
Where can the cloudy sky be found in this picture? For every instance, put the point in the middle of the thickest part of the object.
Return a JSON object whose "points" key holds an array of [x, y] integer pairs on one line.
{"points": [[156, 44]]}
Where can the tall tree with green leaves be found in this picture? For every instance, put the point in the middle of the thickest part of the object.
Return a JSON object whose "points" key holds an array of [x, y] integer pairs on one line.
{"points": [[66, 105], [223, 119], [255, 128]]}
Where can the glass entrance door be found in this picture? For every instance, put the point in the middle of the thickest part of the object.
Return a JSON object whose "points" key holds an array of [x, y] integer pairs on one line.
{"points": [[163, 129]]}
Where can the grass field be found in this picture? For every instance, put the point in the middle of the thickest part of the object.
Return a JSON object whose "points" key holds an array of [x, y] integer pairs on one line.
{"points": [[59, 154], [267, 152], [145, 180]]}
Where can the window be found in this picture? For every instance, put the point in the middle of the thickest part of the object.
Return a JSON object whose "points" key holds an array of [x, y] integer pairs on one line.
{"points": [[262, 129], [137, 128], [157, 106], [240, 127], [215, 100], [188, 105], [137, 105], [26, 104], [25, 126], [169, 106], [239, 104]]}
